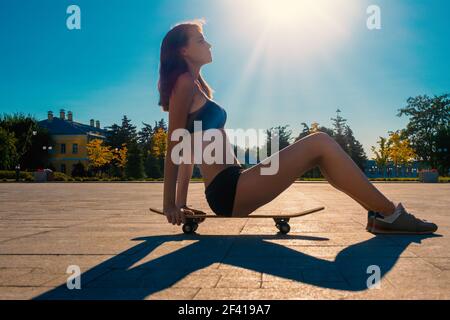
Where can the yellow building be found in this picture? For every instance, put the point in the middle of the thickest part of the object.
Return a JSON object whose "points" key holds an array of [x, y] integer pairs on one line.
{"points": [[70, 139]]}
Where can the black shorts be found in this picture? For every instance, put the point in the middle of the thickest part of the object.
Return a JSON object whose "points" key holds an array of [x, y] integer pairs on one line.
{"points": [[221, 191]]}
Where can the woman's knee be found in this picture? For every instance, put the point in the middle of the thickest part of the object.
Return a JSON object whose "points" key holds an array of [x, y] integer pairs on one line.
{"points": [[323, 139], [323, 143], [320, 135]]}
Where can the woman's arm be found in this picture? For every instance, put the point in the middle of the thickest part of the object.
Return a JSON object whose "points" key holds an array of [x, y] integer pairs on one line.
{"points": [[184, 177], [180, 102]]}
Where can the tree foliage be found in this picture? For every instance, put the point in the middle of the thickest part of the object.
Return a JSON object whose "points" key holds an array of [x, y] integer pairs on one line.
{"points": [[428, 128]]}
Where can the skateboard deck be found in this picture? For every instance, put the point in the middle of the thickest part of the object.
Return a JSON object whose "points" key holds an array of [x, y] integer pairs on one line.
{"points": [[281, 220]]}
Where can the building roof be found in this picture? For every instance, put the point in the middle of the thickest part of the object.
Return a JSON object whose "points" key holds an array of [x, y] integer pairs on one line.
{"points": [[66, 127]]}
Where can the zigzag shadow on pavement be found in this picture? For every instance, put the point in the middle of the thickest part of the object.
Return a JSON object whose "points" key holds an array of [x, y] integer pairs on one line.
{"points": [[116, 278]]}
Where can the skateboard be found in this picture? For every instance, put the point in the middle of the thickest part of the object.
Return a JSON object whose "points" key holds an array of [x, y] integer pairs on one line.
{"points": [[281, 220]]}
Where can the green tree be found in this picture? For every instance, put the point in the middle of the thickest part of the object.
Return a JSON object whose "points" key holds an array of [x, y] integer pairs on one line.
{"points": [[381, 154], [161, 124], [152, 141], [339, 127], [114, 137], [354, 148], [78, 170], [427, 117], [134, 167], [128, 131], [152, 167], [282, 134], [30, 138], [151, 164], [36, 157], [442, 140], [118, 135], [8, 154], [145, 136], [343, 135]]}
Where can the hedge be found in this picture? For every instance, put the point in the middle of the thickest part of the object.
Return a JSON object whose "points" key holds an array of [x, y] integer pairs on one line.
{"points": [[8, 174], [59, 176]]}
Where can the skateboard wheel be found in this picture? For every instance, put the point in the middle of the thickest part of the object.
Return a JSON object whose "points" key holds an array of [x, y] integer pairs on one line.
{"points": [[195, 226], [284, 228], [188, 228]]}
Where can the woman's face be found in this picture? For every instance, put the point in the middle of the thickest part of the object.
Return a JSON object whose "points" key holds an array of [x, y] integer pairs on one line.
{"points": [[198, 50]]}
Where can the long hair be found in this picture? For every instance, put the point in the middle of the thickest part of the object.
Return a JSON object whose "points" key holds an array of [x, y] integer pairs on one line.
{"points": [[172, 63]]}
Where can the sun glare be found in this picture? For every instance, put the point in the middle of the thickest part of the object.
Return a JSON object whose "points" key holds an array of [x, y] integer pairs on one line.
{"points": [[282, 40], [285, 13], [312, 25]]}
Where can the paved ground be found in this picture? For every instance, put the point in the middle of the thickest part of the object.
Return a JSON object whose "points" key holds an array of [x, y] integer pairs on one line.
{"points": [[125, 252]]}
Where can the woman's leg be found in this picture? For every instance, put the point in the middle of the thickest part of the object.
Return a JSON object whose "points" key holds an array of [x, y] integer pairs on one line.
{"points": [[330, 181], [319, 149]]}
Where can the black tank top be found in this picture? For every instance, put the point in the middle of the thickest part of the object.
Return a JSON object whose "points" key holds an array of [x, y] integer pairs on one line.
{"points": [[211, 114]]}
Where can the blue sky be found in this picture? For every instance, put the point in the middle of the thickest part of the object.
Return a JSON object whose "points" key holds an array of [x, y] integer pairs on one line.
{"points": [[263, 74]]}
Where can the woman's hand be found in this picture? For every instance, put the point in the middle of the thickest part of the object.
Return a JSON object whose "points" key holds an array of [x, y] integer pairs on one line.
{"points": [[177, 215], [189, 210]]}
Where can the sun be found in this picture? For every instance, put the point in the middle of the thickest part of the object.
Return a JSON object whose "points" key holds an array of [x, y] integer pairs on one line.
{"points": [[291, 26], [281, 14]]}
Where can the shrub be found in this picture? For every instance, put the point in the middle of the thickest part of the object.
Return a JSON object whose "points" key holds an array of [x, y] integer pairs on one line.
{"points": [[59, 176], [91, 179], [9, 174]]}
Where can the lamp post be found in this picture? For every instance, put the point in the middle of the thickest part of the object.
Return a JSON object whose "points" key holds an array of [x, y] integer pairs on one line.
{"points": [[49, 149], [17, 172]]}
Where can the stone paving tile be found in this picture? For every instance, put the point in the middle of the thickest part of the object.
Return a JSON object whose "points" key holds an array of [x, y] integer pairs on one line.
{"points": [[125, 294], [296, 285], [285, 291], [420, 280], [21, 293], [239, 282], [10, 233], [49, 245], [440, 263], [196, 281], [126, 252]]}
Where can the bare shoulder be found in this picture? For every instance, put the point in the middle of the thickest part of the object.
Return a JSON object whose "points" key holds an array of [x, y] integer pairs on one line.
{"points": [[182, 94], [185, 82]]}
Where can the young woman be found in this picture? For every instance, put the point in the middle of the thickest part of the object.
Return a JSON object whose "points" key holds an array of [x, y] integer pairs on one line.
{"points": [[229, 188]]}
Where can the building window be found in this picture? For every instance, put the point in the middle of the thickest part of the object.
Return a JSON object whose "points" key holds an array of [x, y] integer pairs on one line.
{"points": [[63, 148], [75, 148], [63, 168]]}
